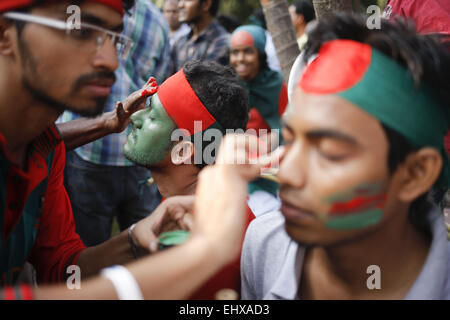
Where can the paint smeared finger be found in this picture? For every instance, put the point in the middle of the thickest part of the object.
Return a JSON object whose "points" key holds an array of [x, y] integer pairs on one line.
{"points": [[151, 80]]}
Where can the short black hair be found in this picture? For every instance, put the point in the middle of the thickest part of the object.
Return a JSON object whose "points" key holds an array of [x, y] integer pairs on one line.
{"points": [[426, 57], [219, 89], [306, 9], [215, 5]]}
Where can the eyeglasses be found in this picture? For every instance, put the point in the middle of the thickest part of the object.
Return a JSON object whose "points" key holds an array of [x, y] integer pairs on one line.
{"points": [[84, 32]]}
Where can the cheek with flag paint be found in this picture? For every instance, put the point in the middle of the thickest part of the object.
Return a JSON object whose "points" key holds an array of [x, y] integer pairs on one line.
{"points": [[357, 208]]}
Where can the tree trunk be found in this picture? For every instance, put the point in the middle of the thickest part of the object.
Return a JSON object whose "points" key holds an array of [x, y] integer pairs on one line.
{"points": [[282, 31], [324, 7]]}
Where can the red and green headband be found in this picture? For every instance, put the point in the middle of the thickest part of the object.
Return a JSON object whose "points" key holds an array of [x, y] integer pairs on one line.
{"points": [[249, 35], [380, 86], [183, 105], [10, 5]]}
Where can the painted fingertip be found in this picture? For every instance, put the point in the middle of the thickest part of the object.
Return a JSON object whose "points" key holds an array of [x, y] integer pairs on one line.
{"points": [[146, 93]]}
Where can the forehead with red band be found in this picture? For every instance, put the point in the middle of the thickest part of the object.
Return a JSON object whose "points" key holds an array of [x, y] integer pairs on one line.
{"points": [[339, 66], [242, 38], [183, 105], [9, 5]]}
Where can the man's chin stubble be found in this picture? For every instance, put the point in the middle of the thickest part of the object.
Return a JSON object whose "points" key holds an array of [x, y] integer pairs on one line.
{"points": [[41, 97]]}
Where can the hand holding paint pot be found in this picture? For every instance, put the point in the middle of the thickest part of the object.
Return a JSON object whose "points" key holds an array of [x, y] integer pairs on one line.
{"points": [[172, 214], [172, 238], [134, 102]]}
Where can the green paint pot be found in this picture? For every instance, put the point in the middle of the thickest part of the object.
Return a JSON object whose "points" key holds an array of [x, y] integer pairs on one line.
{"points": [[172, 238]]}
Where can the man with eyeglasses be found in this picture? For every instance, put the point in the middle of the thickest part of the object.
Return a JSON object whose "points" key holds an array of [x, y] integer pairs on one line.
{"points": [[93, 169], [49, 66]]}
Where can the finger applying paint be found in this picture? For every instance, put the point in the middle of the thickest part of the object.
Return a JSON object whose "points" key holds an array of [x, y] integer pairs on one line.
{"points": [[149, 89], [151, 80]]}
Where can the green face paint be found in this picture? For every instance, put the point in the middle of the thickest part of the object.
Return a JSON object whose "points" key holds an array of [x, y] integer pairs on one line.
{"points": [[357, 208], [149, 141], [172, 238]]}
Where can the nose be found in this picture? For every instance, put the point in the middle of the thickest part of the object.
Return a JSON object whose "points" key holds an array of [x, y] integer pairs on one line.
{"points": [[106, 56], [137, 119], [236, 56], [240, 56], [293, 167]]}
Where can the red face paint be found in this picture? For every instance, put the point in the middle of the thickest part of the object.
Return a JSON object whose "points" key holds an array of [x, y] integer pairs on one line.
{"points": [[358, 204], [149, 92], [325, 76], [151, 80], [357, 208], [242, 38]]}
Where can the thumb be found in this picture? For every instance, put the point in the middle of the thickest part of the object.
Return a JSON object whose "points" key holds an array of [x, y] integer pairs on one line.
{"points": [[119, 109], [153, 243]]}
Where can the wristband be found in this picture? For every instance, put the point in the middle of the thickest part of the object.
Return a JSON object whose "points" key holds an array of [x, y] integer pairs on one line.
{"points": [[130, 240], [123, 281]]}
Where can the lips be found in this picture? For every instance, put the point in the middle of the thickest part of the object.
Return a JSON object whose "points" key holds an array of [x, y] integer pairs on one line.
{"points": [[241, 68], [100, 88], [295, 213]]}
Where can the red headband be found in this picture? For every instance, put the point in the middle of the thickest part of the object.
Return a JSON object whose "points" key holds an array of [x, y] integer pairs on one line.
{"points": [[9, 5], [183, 105]]}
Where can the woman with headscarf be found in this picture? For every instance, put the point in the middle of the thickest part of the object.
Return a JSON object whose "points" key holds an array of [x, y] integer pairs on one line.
{"points": [[267, 96]]}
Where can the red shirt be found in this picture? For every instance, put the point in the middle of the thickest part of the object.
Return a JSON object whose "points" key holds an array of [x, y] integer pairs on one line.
{"points": [[56, 245], [429, 16]]}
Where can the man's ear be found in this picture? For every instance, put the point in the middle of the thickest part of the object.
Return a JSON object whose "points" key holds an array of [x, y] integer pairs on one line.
{"points": [[7, 34], [182, 153], [418, 173]]}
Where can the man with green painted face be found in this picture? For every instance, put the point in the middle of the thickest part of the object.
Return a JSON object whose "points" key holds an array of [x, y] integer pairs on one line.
{"points": [[149, 145], [202, 98], [48, 67], [364, 136], [202, 92]]}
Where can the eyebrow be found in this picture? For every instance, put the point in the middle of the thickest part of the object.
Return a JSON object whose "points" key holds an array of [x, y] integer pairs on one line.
{"points": [[89, 18], [324, 133], [333, 134]]}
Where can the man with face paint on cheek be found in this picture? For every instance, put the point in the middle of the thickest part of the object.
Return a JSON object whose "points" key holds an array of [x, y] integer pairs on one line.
{"points": [[36, 218], [202, 92], [364, 146]]}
